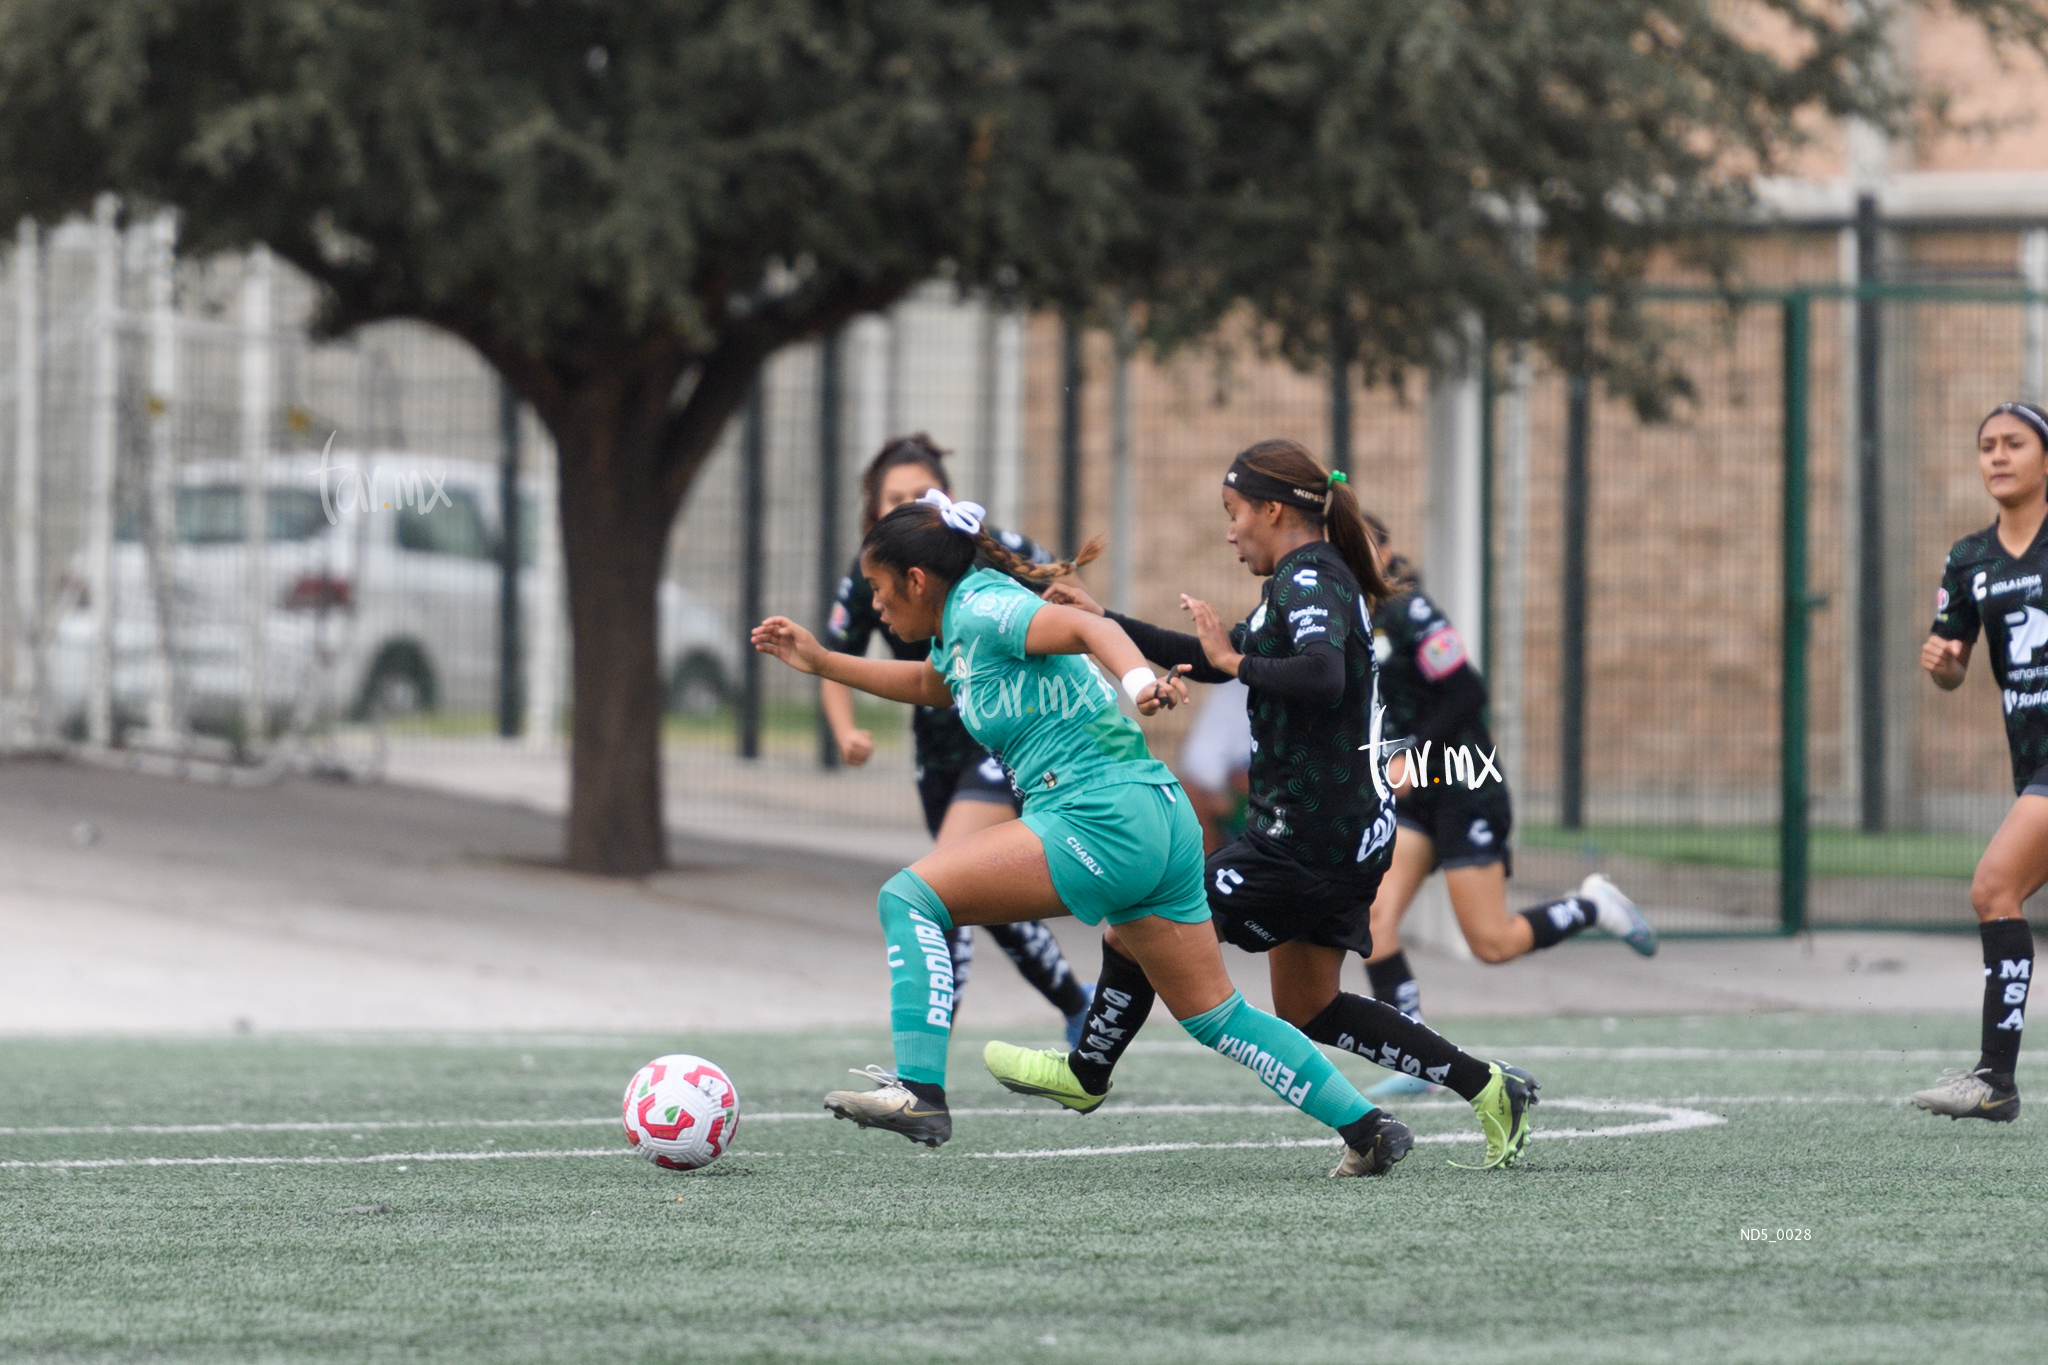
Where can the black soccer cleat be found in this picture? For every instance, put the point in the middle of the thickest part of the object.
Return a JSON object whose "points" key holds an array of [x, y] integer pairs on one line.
{"points": [[1373, 1144]]}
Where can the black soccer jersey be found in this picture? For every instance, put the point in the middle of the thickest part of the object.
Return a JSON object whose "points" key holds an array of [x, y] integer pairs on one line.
{"points": [[1431, 689], [1985, 587], [1314, 787], [943, 743]]}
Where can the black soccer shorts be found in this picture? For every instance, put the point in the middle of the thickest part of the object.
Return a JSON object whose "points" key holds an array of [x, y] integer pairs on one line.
{"points": [[1260, 898], [1469, 828]]}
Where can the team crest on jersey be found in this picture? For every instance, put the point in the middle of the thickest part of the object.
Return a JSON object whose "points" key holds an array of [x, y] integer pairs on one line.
{"points": [[1440, 654], [836, 622], [1419, 609], [1940, 600], [1382, 647]]}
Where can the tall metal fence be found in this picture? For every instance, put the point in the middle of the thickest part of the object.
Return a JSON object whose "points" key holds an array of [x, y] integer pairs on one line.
{"points": [[234, 549]]}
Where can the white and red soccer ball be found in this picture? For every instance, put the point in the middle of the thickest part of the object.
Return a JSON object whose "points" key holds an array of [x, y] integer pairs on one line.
{"points": [[681, 1112]]}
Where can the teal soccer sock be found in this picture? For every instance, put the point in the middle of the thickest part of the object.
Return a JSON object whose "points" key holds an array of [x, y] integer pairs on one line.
{"points": [[1283, 1057], [915, 925]]}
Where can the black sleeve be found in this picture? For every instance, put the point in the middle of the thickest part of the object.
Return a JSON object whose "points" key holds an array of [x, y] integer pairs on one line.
{"points": [[1170, 648], [1315, 676], [853, 620], [1955, 608], [1451, 703]]}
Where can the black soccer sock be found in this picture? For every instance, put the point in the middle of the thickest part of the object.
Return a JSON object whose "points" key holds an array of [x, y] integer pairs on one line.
{"points": [[1038, 957], [1123, 1001], [1394, 982], [1555, 921], [2008, 971], [926, 1091], [1378, 1032]]}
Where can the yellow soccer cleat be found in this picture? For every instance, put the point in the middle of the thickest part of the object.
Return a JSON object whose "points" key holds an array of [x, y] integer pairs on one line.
{"points": [[1044, 1073], [1503, 1110]]}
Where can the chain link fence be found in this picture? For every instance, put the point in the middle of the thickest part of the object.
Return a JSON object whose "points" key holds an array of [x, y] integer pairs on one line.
{"points": [[236, 549]]}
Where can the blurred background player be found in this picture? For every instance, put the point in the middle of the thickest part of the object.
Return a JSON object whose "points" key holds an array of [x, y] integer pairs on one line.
{"points": [[1994, 583], [962, 787], [1452, 807], [1215, 763]]}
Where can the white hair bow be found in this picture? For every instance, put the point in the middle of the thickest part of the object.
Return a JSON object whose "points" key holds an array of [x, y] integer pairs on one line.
{"points": [[964, 517]]}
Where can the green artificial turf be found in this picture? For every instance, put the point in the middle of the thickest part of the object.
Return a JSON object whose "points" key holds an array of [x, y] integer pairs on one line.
{"points": [[813, 1241]]}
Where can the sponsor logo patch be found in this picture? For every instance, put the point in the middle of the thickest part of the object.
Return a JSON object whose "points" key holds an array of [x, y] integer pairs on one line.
{"points": [[1419, 609], [1441, 653]]}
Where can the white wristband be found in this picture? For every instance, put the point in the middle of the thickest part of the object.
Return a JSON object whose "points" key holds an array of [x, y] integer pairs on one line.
{"points": [[1136, 682]]}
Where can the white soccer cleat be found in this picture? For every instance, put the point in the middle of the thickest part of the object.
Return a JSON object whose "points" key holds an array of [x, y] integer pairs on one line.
{"points": [[892, 1106], [1617, 914], [1971, 1095]]}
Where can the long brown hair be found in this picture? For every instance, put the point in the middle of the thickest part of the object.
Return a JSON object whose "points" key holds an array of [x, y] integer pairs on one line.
{"points": [[917, 449], [1342, 521]]}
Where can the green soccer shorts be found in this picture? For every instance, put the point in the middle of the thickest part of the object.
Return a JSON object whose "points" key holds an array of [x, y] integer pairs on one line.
{"points": [[1123, 852]]}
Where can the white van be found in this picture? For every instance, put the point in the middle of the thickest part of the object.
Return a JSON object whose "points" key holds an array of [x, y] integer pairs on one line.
{"points": [[384, 566]]}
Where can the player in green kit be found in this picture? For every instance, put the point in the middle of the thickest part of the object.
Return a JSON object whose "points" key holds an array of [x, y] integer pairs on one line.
{"points": [[1106, 836]]}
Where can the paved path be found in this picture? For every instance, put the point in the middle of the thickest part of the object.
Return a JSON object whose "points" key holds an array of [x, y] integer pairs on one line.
{"points": [[317, 905]]}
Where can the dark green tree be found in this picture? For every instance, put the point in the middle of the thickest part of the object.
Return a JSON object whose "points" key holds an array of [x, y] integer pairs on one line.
{"points": [[1394, 170], [625, 207]]}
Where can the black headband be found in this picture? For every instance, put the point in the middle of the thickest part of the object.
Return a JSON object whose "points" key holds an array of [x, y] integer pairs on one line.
{"points": [[1265, 488], [2025, 414]]}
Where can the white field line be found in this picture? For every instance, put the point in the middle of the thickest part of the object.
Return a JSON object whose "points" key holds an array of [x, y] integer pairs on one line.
{"points": [[1664, 1118], [416, 1125], [384, 1158], [1668, 1119], [807, 1115], [1519, 1052]]}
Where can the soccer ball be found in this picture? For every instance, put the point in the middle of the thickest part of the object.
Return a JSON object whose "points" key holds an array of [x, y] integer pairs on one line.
{"points": [[681, 1112]]}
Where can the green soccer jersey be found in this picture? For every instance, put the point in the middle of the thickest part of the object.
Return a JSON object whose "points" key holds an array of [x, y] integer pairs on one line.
{"points": [[1051, 718]]}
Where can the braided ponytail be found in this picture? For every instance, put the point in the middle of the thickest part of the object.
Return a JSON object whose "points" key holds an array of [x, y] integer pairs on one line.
{"points": [[1037, 575]]}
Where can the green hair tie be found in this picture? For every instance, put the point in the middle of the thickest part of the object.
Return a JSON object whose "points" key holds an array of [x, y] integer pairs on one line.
{"points": [[1337, 476]]}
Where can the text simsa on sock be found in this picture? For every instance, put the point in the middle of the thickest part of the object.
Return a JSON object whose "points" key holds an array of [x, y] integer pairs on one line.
{"points": [[1380, 1033], [915, 925], [2008, 972], [1123, 1001]]}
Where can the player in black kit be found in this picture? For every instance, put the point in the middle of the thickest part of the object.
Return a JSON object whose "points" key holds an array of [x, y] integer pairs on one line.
{"points": [[961, 785], [1993, 583], [1299, 884], [1454, 809]]}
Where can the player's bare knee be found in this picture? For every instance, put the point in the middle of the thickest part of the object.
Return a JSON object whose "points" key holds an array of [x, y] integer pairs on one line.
{"points": [[1994, 898], [1494, 948]]}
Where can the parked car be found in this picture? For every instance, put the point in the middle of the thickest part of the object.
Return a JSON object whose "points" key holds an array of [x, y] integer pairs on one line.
{"points": [[386, 564]]}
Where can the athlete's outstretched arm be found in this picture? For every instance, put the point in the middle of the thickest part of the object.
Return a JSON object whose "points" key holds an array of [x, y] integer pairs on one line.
{"points": [[1069, 630], [911, 680], [1167, 648]]}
